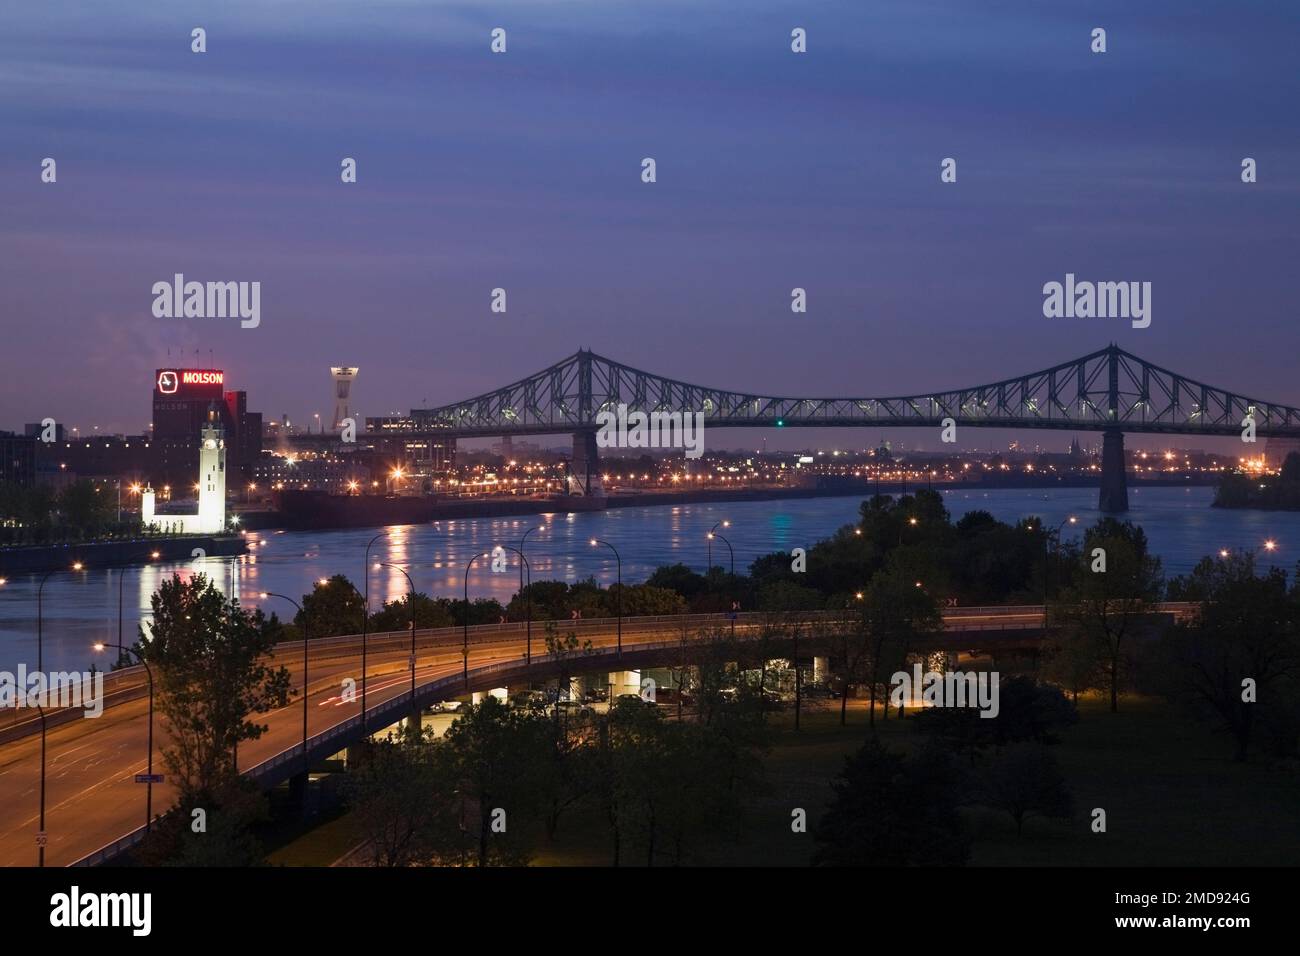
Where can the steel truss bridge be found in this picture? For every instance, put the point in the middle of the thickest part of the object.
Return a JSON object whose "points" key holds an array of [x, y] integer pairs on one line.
{"points": [[1110, 390]]}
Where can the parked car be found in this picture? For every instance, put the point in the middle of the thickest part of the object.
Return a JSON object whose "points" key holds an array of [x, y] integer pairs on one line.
{"points": [[596, 695], [449, 706], [569, 708], [632, 698], [529, 700]]}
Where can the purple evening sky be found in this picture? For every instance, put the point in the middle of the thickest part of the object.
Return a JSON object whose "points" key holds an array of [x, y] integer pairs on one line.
{"points": [[522, 171]]}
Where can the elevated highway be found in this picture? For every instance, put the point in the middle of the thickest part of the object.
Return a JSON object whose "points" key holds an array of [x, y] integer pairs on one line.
{"points": [[94, 807]]}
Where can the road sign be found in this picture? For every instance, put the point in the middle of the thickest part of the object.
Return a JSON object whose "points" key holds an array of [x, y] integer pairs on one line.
{"points": [[42, 838], [148, 778]]}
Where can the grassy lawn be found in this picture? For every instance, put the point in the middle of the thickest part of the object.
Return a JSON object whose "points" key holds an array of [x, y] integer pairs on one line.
{"points": [[1171, 793], [320, 846]]}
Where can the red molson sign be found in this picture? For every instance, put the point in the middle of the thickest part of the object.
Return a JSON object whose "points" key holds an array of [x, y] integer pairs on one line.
{"points": [[190, 381]]}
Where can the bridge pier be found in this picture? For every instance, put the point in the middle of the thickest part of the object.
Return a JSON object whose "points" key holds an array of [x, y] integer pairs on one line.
{"points": [[821, 669], [624, 682], [1114, 484], [298, 794], [584, 467]]}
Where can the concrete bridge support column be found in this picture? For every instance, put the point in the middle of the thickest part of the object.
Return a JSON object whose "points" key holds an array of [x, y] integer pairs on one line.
{"points": [[624, 682], [298, 793], [1114, 484], [585, 464], [821, 669], [354, 754]]}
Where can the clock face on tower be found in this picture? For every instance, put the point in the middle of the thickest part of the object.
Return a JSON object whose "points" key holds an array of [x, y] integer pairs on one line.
{"points": [[210, 443]]}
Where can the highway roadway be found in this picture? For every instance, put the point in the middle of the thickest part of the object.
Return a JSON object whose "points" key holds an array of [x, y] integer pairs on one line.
{"points": [[91, 796]]}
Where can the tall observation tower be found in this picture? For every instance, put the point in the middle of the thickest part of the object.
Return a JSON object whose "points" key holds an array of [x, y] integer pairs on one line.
{"points": [[342, 387]]}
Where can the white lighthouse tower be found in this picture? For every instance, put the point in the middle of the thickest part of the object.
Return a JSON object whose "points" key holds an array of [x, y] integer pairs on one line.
{"points": [[212, 480], [211, 517]]}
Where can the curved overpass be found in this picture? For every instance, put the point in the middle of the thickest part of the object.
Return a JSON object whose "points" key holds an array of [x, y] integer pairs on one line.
{"points": [[94, 809]]}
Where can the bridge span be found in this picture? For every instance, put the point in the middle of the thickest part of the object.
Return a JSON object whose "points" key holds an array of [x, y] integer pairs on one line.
{"points": [[1110, 390]]}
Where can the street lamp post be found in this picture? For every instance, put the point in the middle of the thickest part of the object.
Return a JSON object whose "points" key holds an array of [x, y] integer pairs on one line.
{"points": [[410, 600], [724, 523], [523, 565], [121, 579], [464, 651], [40, 667], [714, 534], [618, 558], [1046, 543], [528, 652], [306, 636], [365, 620], [122, 652]]}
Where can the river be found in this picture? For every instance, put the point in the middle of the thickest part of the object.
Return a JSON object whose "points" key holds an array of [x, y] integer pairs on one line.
{"points": [[80, 608]]}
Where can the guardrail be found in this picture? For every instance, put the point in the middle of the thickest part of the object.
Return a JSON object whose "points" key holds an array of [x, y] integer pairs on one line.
{"points": [[110, 850]]}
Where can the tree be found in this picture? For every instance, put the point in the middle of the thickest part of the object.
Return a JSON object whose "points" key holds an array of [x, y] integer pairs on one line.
{"points": [[402, 796], [1070, 661], [1030, 712], [672, 788], [897, 615], [83, 508], [1024, 780], [396, 614], [1248, 628], [226, 838], [494, 755], [645, 600], [209, 658], [890, 810], [1103, 607], [332, 608], [561, 781]]}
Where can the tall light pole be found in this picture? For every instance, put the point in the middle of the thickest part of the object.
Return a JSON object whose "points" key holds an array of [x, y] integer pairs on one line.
{"points": [[617, 557], [528, 654], [410, 600], [122, 653], [121, 579], [305, 638], [714, 534], [40, 667], [724, 523], [1070, 520], [524, 565], [464, 651], [365, 620]]}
